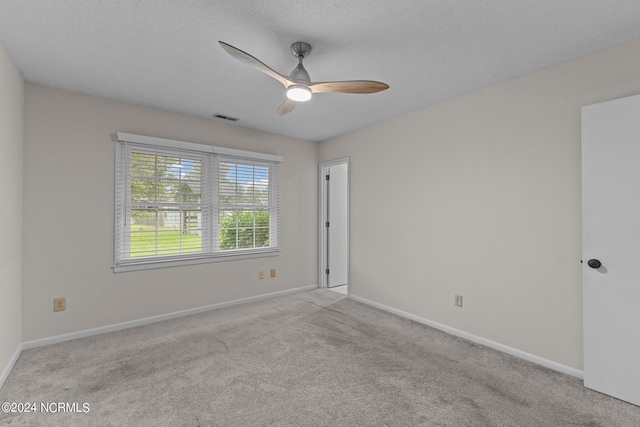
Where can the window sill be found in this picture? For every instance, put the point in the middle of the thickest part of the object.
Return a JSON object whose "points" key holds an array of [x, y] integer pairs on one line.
{"points": [[154, 264]]}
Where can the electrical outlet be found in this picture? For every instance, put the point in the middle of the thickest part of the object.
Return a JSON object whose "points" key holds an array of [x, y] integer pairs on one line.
{"points": [[59, 304], [261, 275], [273, 272], [459, 300]]}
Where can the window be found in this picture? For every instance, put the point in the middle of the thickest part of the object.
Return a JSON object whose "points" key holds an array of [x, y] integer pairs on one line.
{"points": [[244, 205], [180, 203]]}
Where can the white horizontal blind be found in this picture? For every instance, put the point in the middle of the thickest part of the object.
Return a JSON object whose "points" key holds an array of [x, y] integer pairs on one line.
{"points": [[177, 204], [247, 205], [163, 211]]}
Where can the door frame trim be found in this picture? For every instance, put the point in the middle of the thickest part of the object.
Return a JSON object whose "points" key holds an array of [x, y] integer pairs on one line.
{"points": [[322, 236]]}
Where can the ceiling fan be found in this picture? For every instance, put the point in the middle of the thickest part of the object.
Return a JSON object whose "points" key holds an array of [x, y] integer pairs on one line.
{"points": [[298, 84]]}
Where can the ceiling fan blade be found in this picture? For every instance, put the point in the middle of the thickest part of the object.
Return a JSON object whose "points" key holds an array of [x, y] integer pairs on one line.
{"points": [[255, 63], [286, 107], [352, 86]]}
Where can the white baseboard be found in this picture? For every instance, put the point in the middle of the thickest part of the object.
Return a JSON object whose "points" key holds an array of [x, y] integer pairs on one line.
{"points": [[9, 367], [118, 326], [110, 328], [476, 339]]}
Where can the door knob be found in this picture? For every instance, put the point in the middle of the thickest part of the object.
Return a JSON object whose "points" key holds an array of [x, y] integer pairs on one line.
{"points": [[594, 263]]}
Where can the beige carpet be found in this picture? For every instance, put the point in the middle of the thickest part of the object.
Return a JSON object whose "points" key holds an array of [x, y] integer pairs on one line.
{"points": [[308, 359]]}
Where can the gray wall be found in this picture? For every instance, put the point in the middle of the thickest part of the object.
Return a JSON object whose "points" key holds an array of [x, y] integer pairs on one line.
{"points": [[11, 141], [69, 217], [480, 196]]}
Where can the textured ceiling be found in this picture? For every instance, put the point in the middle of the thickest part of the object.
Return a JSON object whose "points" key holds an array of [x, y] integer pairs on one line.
{"points": [[164, 53]]}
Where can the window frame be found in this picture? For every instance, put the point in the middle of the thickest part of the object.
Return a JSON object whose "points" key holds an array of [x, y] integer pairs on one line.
{"points": [[211, 157]]}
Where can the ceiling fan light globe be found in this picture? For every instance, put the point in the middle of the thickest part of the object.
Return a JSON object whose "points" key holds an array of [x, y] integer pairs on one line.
{"points": [[298, 93]]}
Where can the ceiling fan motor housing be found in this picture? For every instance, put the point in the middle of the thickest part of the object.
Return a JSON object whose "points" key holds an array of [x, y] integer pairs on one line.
{"points": [[300, 74]]}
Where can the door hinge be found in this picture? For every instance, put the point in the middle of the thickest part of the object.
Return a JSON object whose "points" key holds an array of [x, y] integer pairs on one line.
{"points": [[327, 177], [326, 224], [326, 271]]}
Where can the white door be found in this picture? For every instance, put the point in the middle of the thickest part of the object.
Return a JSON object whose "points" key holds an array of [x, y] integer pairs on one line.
{"points": [[335, 219], [611, 236]]}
